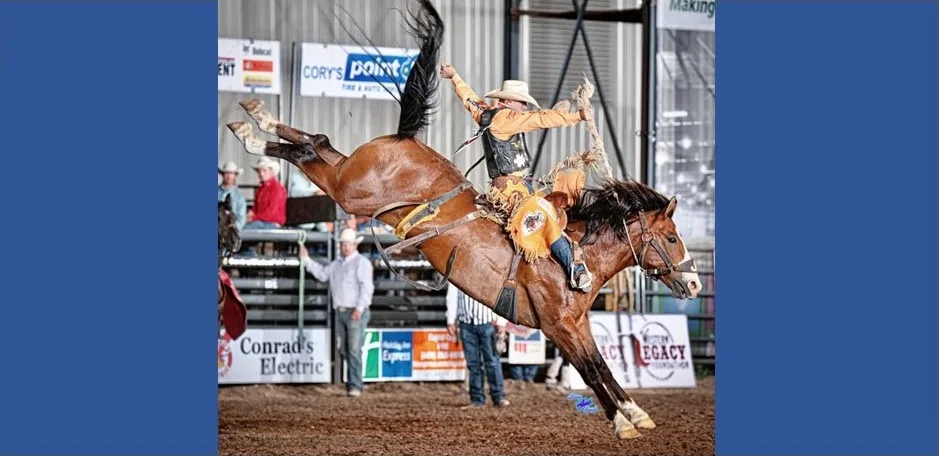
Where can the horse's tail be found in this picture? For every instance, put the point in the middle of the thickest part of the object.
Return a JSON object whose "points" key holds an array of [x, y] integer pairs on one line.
{"points": [[417, 101]]}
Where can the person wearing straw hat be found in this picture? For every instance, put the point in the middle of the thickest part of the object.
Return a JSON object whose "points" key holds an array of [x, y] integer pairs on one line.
{"points": [[502, 127], [229, 186], [270, 199], [351, 286]]}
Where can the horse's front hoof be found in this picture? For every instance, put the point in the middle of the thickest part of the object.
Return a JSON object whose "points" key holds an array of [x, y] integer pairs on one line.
{"points": [[645, 423], [628, 433]]}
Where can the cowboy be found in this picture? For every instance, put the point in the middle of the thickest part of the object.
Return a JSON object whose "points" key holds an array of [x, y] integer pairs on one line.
{"points": [[230, 172], [351, 287], [270, 199], [507, 159]]}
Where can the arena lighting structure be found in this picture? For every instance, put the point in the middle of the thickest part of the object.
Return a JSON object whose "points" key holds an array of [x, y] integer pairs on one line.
{"points": [[644, 15]]}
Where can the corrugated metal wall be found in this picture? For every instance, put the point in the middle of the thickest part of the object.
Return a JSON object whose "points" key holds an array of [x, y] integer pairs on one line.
{"points": [[617, 54], [473, 44]]}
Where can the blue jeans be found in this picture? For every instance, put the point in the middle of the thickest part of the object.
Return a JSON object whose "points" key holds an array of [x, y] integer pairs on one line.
{"points": [[562, 250], [351, 335], [523, 372], [255, 225], [259, 225], [477, 343]]}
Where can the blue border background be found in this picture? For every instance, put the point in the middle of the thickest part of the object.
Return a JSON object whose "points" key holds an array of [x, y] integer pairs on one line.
{"points": [[826, 228], [103, 102], [827, 127]]}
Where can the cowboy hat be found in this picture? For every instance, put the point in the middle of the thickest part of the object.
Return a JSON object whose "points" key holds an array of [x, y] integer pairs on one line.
{"points": [[265, 162], [514, 90], [230, 167], [349, 235]]}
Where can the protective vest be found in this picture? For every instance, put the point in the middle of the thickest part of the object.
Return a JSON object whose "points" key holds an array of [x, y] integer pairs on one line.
{"points": [[503, 156]]}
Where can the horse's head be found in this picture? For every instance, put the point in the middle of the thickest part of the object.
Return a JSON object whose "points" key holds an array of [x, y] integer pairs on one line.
{"points": [[228, 239], [638, 221], [660, 251]]}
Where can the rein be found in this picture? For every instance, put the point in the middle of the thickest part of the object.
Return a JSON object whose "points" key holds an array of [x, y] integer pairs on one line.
{"points": [[648, 238]]}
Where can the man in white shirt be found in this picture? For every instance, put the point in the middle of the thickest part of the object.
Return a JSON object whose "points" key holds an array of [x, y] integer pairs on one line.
{"points": [[476, 328], [351, 285]]}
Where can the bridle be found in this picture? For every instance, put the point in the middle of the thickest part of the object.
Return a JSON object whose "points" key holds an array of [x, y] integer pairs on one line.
{"points": [[648, 238]]}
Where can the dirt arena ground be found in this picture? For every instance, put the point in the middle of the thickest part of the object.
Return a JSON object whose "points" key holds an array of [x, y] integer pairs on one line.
{"points": [[425, 419]]}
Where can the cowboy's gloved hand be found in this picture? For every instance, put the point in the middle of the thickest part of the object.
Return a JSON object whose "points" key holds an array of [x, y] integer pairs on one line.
{"points": [[447, 71], [586, 115]]}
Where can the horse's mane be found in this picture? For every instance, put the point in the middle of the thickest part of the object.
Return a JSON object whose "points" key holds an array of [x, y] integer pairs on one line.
{"points": [[607, 206]]}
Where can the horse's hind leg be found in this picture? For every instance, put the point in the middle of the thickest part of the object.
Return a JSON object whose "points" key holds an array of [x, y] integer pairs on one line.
{"points": [[269, 124], [626, 404], [578, 350]]}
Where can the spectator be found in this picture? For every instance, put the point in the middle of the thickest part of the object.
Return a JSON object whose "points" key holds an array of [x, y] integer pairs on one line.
{"points": [[270, 199], [476, 329], [230, 172], [350, 282], [558, 366]]}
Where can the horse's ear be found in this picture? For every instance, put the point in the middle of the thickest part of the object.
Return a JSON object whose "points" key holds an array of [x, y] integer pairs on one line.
{"points": [[228, 201], [670, 210]]}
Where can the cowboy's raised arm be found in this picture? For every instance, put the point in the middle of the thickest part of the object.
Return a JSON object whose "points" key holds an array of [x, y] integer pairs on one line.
{"points": [[471, 101], [508, 122]]}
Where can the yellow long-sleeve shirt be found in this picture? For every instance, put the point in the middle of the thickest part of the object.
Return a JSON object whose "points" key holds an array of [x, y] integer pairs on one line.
{"points": [[508, 122]]}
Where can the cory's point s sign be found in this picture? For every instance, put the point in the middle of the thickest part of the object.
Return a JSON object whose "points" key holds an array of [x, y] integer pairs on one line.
{"points": [[353, 71]]}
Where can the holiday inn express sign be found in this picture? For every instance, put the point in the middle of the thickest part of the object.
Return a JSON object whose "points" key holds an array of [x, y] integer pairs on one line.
{"points": [[686, 14]]}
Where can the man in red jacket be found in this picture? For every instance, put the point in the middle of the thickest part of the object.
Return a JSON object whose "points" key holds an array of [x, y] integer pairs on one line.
{"points": [[270, 199]]}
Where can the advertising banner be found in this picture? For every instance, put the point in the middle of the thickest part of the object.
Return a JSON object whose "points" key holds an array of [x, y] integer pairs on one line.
{"points": [[329, 70], [411, 355], [696, 15], [657, 348], [274, 356], [526, 345], [248, 66]]}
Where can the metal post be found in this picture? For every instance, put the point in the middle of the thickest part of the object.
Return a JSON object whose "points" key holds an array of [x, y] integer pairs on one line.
{"points": [[606, 112], [301, 239], [510, 46], [557, 91], [647, 119]]}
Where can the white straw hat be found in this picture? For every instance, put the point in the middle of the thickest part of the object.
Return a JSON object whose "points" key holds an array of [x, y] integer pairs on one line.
{"points": [[514, 90], [230, 167], [265, 162], [349, 235]]}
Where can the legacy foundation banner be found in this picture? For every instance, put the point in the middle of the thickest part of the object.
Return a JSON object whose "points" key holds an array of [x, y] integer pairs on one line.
{"points": [[657, 350], [274, 356], [696, 15], [248, 66]]}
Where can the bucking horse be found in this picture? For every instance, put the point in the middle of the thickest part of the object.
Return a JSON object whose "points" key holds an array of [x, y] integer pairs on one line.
{"points": [[396, 177]]}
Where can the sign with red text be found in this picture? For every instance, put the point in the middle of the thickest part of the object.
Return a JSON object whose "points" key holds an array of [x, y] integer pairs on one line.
{"points": [[526, 345], [248, 66], [653, 352]]}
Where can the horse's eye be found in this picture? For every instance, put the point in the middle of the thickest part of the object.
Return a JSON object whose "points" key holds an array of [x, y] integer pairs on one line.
{"points": [[672, 240]]}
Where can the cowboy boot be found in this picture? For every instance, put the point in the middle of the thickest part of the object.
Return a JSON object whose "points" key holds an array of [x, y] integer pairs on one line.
{"points": [[581, 277]]}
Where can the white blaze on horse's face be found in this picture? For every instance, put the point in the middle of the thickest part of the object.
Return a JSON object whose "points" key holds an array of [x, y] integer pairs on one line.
{"points": [[690, 280]]}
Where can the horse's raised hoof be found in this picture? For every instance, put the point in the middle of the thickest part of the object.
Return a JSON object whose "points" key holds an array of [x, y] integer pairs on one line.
{"points": [[265, 120], [645, 423], [244, 132]]}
